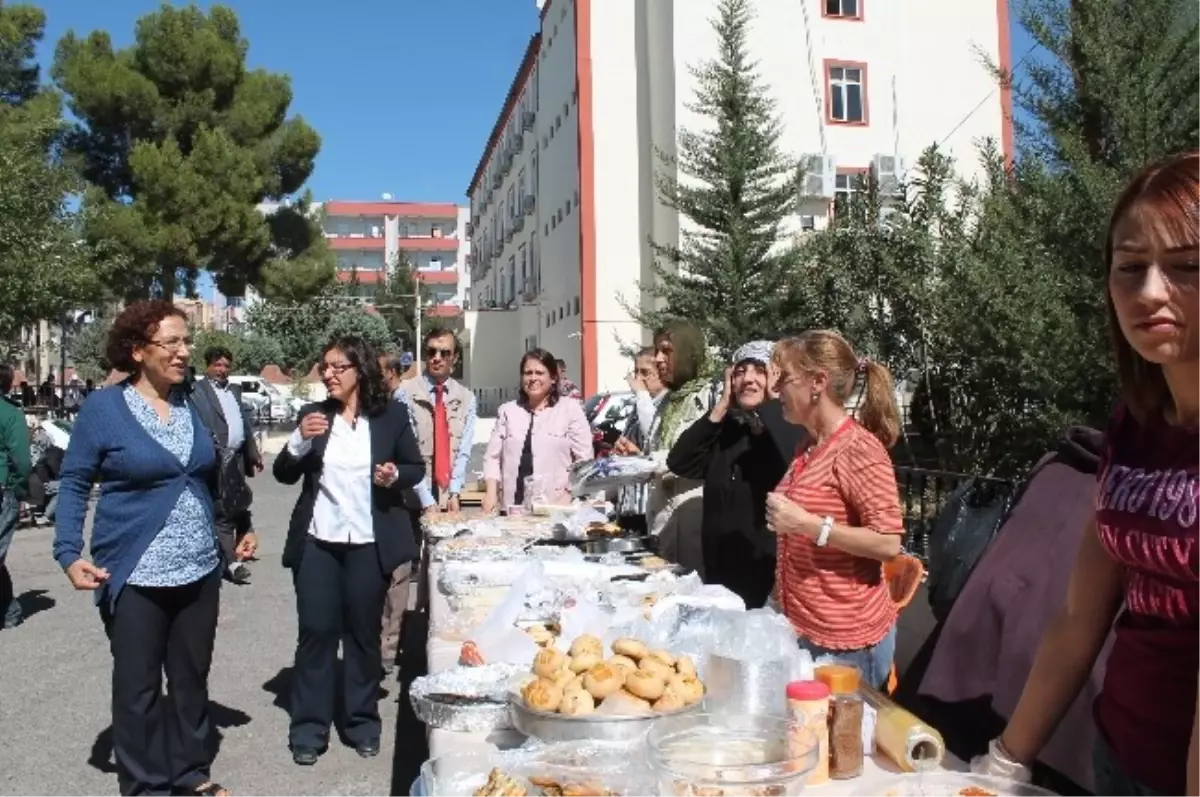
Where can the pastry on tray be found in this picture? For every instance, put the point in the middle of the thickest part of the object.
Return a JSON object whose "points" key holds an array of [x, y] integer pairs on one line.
{"points": [[634, 681], [501, 784]]}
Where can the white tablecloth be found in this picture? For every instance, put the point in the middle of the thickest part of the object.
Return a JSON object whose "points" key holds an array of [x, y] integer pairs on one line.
{"points": [[443, 654]]}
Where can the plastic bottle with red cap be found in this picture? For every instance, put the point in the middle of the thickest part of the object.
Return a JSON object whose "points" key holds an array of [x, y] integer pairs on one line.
{"points": [[808, 707]]}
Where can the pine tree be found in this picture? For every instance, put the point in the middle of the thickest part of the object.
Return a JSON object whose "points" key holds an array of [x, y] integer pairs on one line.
{"points": [[733, 187]]}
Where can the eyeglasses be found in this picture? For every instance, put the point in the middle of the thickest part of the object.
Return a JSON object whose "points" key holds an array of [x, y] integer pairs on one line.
{"points": [[337, 368], [172, 344], [433, 352]]}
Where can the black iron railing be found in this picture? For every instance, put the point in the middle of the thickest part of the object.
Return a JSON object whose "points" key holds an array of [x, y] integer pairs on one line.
{"points": [[923, 495]]}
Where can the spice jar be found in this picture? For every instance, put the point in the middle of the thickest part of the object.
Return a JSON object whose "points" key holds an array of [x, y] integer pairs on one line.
{"points": [[845, 736], [808, 707]]}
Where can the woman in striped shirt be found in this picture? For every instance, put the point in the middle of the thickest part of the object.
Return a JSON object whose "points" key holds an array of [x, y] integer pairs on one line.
{"points": [[837, 511]]}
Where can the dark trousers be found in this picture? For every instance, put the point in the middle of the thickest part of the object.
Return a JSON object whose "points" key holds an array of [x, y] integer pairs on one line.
{"points": [[339, 598], [162, 742], [10, 607]]}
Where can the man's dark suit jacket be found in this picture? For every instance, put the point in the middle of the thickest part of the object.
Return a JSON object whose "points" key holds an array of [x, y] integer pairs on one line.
{"points": [[208, 404], [392, 440]]}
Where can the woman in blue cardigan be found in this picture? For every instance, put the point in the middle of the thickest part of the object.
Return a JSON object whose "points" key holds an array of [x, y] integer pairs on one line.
{"points": [[155, 564]]}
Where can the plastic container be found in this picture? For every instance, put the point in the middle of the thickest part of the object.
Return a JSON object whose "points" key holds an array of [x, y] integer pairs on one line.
{"points": [[730, 754], [842, 679], [808, 707]]}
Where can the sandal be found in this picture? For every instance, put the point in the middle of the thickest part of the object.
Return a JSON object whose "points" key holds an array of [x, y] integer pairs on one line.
{"points": [[212, 789]]}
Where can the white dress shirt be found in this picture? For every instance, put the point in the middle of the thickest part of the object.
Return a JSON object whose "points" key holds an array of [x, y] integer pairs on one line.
{"points": [[342, 511], [232, 411]]}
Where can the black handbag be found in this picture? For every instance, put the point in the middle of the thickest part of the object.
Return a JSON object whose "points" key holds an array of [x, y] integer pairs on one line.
{"points": [[230, 493], [972, 516]]}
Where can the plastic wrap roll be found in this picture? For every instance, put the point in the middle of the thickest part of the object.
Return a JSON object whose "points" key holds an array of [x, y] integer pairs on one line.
{"points": [[900, 735]]}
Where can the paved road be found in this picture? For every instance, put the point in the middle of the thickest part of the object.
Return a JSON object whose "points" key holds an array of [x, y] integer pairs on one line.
{"points": [[55, 671]]}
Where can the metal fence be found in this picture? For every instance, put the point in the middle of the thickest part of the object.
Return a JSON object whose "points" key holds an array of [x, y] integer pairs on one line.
{"points": [[923, 495]]}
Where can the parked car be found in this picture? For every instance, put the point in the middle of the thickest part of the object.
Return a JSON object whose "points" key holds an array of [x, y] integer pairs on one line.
{"points": [[264, 400]]}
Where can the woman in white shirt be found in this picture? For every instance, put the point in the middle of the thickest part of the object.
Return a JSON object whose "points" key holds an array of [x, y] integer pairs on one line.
{"points": [[356, 453]]}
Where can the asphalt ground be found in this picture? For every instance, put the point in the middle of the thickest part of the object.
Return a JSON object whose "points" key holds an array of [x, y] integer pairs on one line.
{"points": [[55, 675]]}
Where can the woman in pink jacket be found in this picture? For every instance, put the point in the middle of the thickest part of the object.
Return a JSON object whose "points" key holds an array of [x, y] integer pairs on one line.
{"points": [[541, 434]]}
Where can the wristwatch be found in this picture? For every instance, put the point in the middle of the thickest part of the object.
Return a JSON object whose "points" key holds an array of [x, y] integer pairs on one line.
{"points": [[823, 534]]}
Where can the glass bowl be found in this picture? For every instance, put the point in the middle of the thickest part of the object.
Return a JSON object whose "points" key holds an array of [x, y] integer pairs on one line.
{"points": [[728, 754]]}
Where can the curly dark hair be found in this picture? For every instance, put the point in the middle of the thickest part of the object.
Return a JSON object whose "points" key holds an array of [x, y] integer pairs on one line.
{"points": [[549, 362], [214, 353], [133, 329], [373, 395]]}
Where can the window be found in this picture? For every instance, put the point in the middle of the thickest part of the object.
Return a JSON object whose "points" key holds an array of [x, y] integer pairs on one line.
{"points": [[343, 228], [846, 184], [521, 185], [502, 216], [523, 257], [435, 263], [568, 206], [575, 306], [512, 204], [512, 277], [808, 223], [843, 9], [846, 92]]}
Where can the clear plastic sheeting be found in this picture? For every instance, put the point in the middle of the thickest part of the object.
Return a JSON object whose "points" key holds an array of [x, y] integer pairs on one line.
{"points": [[583, 767]]}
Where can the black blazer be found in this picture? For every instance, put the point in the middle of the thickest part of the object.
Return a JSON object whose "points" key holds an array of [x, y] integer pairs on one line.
{"points": [[392, 440], [209, 406]]}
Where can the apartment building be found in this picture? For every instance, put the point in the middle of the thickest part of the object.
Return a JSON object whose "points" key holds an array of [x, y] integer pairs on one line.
{"points": [[368, 236], [605, 87]]}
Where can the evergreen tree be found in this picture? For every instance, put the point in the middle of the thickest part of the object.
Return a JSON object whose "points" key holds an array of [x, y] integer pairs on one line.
{"points": [[733, 188], [397, 300], [44, 268], [181, 142]]}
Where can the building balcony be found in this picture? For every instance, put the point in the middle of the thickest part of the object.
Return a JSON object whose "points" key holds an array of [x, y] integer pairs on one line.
{"points": [[417, 210], [444, 311], [447, 276], [352, 243], [431, 244], [363, 277]]}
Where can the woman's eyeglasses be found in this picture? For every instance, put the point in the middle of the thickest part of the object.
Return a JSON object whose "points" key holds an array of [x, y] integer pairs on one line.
{"points": [[172, 344], [337, 368]]}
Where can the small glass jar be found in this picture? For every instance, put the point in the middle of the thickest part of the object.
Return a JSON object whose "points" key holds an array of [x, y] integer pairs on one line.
{"points": [[845, 736]]}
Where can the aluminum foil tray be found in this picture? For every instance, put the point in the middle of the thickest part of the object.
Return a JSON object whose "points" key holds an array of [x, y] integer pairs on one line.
{"points": [[468, 699]]}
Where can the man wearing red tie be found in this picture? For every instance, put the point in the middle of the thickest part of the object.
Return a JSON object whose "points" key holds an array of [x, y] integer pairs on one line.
{"points": [[443, 416]]}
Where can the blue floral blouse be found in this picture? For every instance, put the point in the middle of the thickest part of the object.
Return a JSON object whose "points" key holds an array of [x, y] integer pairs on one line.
{"points": [[185, 550]]}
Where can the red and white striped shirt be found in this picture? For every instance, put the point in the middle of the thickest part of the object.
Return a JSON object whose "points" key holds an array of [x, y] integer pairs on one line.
{"points": [[832, 598]]}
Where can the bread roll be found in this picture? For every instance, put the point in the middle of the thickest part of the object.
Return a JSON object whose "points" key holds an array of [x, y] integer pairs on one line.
{"points": [[587, 644], [622, 663], [542, 695], [664, 656], [631, 648], [689, 688], [670, 701], [602, 680], [685, 666], [645, 684], [623, 704], [548, 663], [656, 667], [577, 703], [583, 662]]}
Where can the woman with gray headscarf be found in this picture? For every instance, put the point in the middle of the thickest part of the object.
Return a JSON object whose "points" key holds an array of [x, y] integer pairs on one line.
{"points": [[741, 449]]}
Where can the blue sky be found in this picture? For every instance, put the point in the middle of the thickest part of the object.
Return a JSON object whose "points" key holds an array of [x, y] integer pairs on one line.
{"points": [[403, 92]]}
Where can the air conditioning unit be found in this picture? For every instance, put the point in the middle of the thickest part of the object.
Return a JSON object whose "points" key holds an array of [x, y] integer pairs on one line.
{"points": [[471, 259], [468, 228], [889, 173], [529, 292], [508, 233], [518, 224], [528, 204], [376, 232], [819, 176], [527, 120], [497, 180]]}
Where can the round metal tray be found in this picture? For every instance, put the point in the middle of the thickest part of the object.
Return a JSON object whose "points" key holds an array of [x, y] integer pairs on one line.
{"points": [[551, 727]]}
